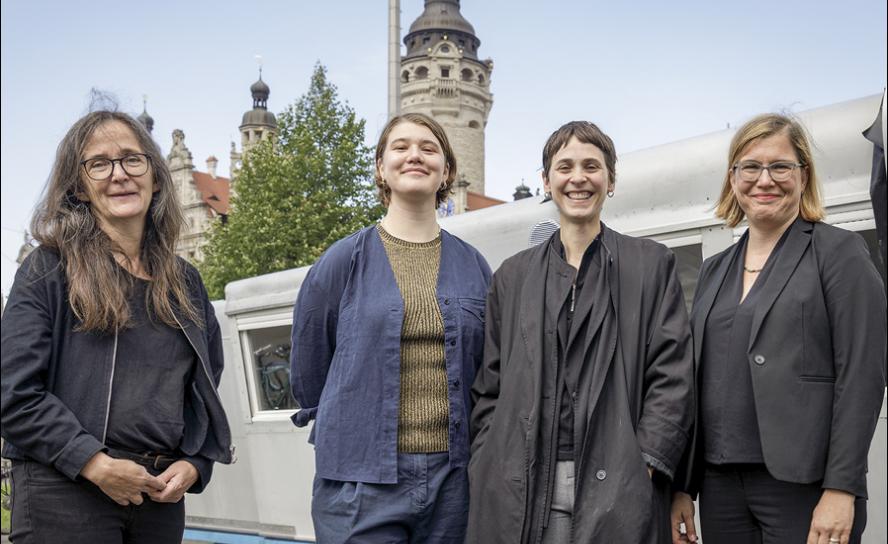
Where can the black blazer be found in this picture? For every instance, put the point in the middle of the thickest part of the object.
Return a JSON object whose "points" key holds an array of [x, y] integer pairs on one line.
{"points": [[817, 355]]}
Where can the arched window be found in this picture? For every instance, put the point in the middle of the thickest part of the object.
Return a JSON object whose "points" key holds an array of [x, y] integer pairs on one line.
{"points": [[480, 79], [405, 76], [445, 49], [422, 72], [474, 124], [466, 74]]}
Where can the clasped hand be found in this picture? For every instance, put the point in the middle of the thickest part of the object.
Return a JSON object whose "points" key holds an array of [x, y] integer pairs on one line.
{"points": [[125, 481]]}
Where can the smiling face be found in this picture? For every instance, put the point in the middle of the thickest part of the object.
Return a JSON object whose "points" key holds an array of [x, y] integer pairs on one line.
{"points": [[121, 200], [413, 164], [578, 181], [765, 202]]}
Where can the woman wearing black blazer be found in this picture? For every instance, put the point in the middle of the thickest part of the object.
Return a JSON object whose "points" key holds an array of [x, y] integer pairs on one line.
{"points": [[789, 337]]}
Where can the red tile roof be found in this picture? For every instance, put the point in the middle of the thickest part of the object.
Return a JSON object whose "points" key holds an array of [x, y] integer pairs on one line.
{"points": [[477, 201], [214, 191]]}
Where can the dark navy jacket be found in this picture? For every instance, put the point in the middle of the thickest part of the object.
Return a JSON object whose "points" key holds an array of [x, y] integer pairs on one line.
{"points": [[346, 359], [56, 388]]}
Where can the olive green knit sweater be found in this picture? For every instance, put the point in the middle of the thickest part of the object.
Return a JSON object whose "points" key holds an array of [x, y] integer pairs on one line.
{"points": [[423, 416]]}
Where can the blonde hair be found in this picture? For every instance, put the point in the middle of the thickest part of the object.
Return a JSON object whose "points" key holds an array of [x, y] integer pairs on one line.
{"points": [[758, 128]]}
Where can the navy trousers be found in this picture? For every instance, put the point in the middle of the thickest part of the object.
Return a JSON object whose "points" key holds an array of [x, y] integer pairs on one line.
{"points": [[744, 504], [429, 504], [48, 507]]}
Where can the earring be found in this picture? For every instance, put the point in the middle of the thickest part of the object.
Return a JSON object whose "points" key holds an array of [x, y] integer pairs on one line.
{"points": [[610, 194], [547, 195]]}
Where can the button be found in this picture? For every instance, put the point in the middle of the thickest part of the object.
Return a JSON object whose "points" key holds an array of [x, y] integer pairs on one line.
{"points": [[456, 384], [601, 475], [446, 301], [453, 342], [456, 425], [759, 359]]}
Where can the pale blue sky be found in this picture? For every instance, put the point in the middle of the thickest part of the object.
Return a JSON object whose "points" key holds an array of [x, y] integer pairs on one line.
{"points": [[647, 72]]}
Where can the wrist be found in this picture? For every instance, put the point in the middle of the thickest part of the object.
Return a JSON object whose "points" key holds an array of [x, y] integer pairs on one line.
{"points": [[95, 467]]}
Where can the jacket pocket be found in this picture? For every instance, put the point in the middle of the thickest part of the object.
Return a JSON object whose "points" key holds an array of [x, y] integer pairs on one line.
{"points": [[473, 307], [818, 379]]}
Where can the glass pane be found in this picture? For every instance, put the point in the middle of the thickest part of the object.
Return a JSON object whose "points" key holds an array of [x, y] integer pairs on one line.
{"points": [[270, 361], [688, 260]]}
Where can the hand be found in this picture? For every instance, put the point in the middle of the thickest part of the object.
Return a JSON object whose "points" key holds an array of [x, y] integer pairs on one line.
{"points": [[683, 512], [122, 480], [179, 477], [833, 518]]}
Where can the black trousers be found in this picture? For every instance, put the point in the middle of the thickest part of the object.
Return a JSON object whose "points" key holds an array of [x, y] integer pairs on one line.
{"points": [[744, 504], [47, 507]]}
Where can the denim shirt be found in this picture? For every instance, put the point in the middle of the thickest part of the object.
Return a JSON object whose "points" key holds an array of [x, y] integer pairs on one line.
{"points": [[345, 365]]}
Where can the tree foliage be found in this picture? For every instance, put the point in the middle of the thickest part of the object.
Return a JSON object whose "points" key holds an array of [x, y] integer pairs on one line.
{"points": [[295, 195]]}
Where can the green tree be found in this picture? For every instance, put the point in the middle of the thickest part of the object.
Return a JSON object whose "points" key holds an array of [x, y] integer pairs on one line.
{"points": [[294, 197]]}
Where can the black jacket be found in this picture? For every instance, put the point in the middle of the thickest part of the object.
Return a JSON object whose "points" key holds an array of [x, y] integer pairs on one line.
{"points": [[635, 405], [56, 385], [817, 354]]}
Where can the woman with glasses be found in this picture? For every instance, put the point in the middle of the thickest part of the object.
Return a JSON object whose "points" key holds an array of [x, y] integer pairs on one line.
{"points": [[789, 337], [388, 329], [111, 353]]}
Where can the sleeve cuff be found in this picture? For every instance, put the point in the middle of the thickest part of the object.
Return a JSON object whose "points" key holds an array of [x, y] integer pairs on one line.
{"points": [[657, 465]]}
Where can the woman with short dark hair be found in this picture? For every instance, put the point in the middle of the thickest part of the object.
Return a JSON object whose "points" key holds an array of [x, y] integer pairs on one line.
{"points": [[111, 351]]}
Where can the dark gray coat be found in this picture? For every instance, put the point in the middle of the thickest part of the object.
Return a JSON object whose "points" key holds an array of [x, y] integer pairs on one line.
{"points": [[637, 402]]}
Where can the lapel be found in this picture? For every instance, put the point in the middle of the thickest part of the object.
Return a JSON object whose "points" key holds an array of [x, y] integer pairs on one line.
{"points": [[701, 309], [533, 304], [447, 266], [611, 268], [794, 247]]}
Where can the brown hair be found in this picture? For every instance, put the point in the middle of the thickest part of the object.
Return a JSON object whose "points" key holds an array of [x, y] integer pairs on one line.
{"points": [[385, 192], [588, 133], [758, 128], [98, 286]]}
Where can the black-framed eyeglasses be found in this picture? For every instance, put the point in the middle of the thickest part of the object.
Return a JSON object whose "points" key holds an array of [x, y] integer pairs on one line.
{"points": [[100, 169], [778, 171]]}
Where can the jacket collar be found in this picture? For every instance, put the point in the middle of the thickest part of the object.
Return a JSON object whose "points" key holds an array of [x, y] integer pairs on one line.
{"points": [[797, 241]]}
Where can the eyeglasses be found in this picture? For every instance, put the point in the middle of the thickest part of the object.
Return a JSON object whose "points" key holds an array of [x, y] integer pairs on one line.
{"points": [[100, 169], [779, 171]]}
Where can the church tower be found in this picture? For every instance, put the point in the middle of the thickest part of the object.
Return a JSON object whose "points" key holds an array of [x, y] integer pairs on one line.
{"points": [[441, 76], [258, 124]]}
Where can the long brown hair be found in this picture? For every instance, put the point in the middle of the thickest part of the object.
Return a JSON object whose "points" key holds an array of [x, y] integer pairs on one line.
{"points": [[97, 286]]}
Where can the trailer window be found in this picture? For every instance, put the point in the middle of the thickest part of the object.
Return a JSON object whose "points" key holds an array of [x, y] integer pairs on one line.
{"points": [[688, 260], [267, 352]]}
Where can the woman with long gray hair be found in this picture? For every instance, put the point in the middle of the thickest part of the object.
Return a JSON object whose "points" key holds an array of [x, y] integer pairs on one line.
{"points": [[111, 353]]}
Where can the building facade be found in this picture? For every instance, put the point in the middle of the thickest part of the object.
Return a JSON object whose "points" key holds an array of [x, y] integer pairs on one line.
{"points": [[443, 77]]}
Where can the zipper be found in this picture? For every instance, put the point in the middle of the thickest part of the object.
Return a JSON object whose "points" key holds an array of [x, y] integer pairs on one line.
{"points": [[573, 297], [110, 388], [206, 373]]}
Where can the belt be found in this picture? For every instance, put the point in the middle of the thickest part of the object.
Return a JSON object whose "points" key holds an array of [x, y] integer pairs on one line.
{"points": [[156, 461]]}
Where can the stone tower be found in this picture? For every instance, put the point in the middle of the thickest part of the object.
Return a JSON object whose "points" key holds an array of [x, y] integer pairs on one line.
{"points": [[258, 124], [196, 220], [442, 76]]}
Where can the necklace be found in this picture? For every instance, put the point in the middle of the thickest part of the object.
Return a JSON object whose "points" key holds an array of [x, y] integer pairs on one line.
{"points": [[752, 270]]}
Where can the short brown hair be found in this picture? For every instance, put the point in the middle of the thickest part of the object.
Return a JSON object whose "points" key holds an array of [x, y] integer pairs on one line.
{"points": [[588, 133], [385, 192], [758, 128]]}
